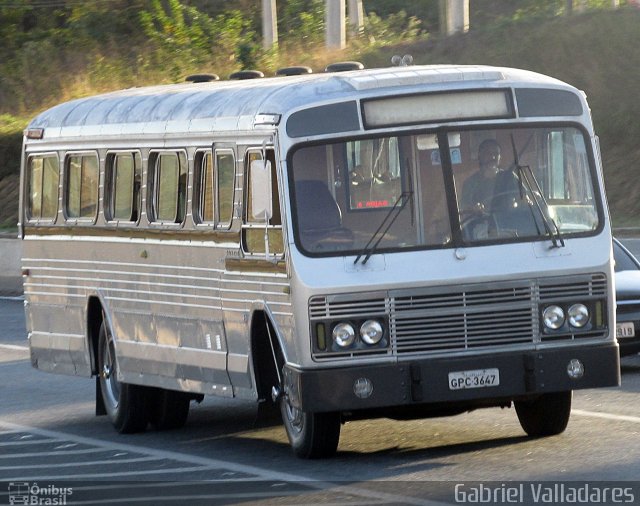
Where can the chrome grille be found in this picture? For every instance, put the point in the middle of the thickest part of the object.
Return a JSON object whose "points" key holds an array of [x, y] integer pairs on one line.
{"points": [[573, 287], [433, 322], [330, 307], [465, 317]]}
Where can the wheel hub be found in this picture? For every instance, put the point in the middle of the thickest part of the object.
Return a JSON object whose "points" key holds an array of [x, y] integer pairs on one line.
{"points": [[294, 415]]}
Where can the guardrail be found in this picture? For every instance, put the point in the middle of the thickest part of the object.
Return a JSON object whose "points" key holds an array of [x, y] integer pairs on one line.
{"points": [[10, 269], [627, 231]]}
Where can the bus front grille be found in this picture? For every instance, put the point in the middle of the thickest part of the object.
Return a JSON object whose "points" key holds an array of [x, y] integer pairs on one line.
{"points": [[471, 317]]}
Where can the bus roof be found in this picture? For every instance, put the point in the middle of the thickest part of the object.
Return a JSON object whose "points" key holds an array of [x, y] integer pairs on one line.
{"points": [[234, 105]]}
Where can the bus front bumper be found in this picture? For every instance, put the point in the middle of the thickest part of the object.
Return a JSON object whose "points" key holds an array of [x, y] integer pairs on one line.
{"points": [[459, 380]]}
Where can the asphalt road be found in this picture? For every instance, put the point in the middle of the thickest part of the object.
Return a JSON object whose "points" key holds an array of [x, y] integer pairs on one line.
{"points": [[228, 453]]}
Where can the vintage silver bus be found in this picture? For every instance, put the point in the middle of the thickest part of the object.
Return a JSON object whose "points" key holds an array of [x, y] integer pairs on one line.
{"points": [[402, 242]]}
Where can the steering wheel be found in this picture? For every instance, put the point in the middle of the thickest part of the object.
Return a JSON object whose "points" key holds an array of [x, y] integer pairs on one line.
{"points": [[477, 225]]}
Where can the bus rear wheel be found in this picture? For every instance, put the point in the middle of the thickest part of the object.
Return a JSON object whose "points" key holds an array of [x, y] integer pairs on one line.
{"points": [[169, 409], [546, 415], [125, 404], [311, 435]]}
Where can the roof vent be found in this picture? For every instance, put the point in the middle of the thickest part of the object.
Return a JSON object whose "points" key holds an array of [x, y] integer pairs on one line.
{"points": [[294, 71], [202, 78], [241, 75], [402, 61], [344, 66]]}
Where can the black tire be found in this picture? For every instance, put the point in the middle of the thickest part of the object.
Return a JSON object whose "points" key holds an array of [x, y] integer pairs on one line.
{"points": [[125, 404], [311, 435], [169, 409], [546, 415]]}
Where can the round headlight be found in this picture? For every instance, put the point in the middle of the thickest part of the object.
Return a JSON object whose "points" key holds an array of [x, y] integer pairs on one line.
{"points": [[371, 332], [344, 335], [578, 315], [553, 317]]}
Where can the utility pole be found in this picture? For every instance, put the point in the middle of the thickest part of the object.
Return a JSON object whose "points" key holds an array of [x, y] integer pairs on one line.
{"points": [[569, 8], [356, 15], [269, 24], [454, 16], [335, 19]]}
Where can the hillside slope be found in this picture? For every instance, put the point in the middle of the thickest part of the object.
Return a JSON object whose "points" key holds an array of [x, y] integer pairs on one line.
{"points": [[597, 52]]}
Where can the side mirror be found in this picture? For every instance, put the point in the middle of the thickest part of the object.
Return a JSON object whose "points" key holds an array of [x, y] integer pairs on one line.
{"points": [[260, 178]]}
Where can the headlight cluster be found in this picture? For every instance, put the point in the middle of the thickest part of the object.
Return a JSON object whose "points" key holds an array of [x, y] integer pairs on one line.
{"points": [[556, 317], [361, 335], [370, 332]]}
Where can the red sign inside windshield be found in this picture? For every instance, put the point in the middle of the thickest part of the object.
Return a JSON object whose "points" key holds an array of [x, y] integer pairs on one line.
{"points": [[372, 204]]}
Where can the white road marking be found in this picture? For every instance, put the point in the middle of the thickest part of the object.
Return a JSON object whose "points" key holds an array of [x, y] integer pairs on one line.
{"points": [[165, 454], [50, 454], [203, 464], [219, 497], [14, 347], [102, 475], [608, 416], [30, 442], [80, 464]]}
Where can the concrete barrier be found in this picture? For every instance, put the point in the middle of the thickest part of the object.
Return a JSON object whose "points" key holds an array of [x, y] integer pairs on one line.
{"points": [[10, 266]]}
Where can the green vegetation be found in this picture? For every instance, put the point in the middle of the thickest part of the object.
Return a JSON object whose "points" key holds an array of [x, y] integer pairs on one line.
{"points": [[10, 138], [50, 55]]}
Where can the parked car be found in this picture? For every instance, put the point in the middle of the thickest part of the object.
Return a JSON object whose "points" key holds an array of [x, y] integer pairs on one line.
{"points": [[627, 272]]}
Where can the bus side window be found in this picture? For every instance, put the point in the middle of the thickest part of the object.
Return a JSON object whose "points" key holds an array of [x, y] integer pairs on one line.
{"points": [[253, 231], [169, 188], [123, 187], [214, 192], [81, 196], [225, 170], [43, 175], [204, 201]]}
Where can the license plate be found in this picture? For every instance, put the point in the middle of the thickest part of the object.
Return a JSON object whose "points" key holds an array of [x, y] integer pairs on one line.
{"points": [[625, 329], [478, 378]]}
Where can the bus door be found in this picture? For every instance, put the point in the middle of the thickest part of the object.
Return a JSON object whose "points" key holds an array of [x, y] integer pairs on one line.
{"points": [[255, 276]]}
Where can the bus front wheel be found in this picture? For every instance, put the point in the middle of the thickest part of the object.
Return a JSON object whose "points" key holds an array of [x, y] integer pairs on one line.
{"points": [[546, 415], [312, 435], [125, 404]]}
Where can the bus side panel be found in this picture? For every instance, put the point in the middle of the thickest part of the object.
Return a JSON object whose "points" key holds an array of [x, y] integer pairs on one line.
{"points": [[167, 317], [162, 302], [55, 314]]}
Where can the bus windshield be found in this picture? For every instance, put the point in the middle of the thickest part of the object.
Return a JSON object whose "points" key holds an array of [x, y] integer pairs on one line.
{"points": [[428, 190]]}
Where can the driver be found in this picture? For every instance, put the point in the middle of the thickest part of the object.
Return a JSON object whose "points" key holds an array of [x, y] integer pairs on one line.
{"points": [[479, 188]]}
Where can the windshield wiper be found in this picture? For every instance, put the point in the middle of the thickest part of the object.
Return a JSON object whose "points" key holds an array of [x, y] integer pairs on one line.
{"points": [[384, 227], [528, 180]]}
